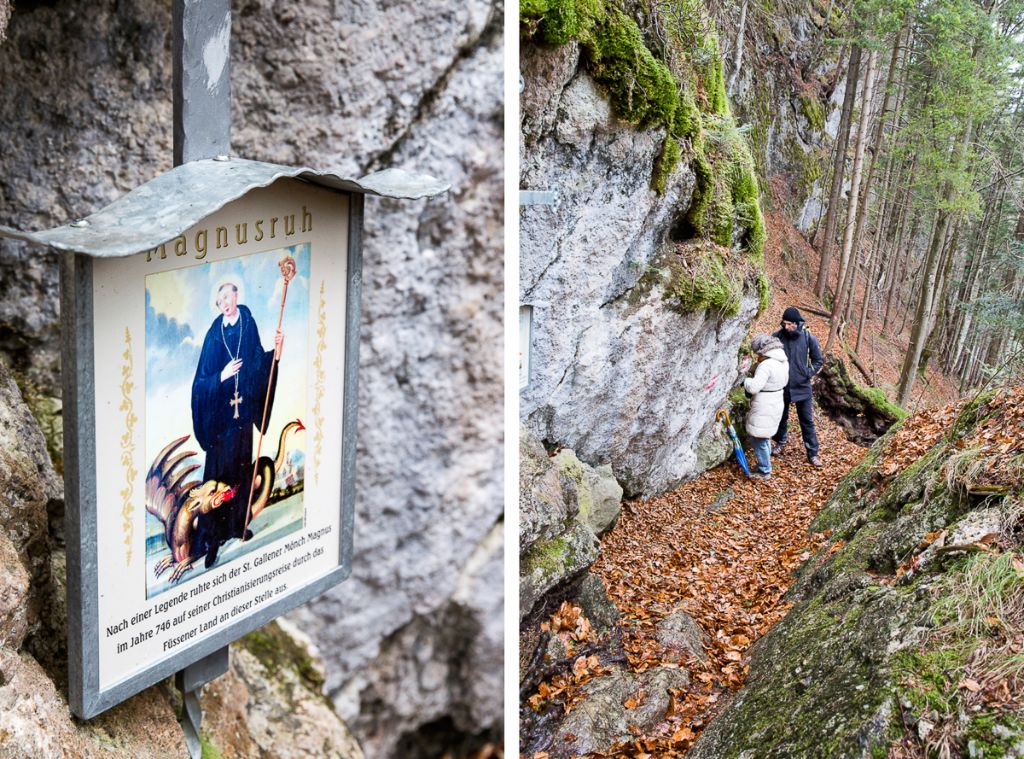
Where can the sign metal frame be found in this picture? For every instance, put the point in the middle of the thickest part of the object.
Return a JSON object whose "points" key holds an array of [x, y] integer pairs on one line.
{"points": [[86, 697], [157, 211]]}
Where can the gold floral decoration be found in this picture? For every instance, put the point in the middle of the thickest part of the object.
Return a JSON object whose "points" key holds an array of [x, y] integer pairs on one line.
{"points": [[128, 445], [318, 363]]}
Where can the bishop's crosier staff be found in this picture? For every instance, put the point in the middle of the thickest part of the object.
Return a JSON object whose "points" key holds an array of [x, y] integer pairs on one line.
{"points": [[287, 265]]}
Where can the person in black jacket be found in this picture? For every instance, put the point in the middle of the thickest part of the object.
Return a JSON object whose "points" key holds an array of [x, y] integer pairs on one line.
{"points": [[805, 361]]}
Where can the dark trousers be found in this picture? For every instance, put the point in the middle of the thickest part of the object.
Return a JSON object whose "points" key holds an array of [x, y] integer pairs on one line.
{"points": [[804, 411]]}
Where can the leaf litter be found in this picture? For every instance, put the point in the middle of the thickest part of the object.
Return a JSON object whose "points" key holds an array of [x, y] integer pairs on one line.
{"points": [[723, 558]]}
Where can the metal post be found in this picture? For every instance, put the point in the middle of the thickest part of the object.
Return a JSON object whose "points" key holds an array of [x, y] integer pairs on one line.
{"points": [[202, 129], [188, 682], [201, 82]]}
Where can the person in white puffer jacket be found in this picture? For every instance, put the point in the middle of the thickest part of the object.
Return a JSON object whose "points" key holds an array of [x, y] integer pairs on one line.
{"points": [[766, 406]]}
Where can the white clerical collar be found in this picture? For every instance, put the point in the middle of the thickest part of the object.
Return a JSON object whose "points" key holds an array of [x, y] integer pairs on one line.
{"points": [[232, 320]]}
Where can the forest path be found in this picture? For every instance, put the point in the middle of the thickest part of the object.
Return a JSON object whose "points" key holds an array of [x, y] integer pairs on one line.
{"points": [[721, 548]]}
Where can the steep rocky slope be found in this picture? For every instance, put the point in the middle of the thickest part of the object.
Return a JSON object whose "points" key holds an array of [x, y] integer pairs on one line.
{"points": [[906, 627], [86, 104]]}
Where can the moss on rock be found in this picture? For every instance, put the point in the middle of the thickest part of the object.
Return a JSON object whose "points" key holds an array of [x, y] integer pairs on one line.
{"points": [[551, 563], [642, 89], [667, 161], [670, 92], [210, 750], [276, 650], [813, 111], [559, 21]]}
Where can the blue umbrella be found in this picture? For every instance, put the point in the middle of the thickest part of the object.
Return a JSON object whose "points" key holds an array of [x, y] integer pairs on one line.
{"points": [[723, 416]]}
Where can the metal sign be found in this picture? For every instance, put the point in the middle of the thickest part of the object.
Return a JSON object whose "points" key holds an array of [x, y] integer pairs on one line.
{"points": [[211, 332]]}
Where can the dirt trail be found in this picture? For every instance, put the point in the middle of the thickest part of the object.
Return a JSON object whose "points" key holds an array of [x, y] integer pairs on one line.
{"points": [[722, 549]]}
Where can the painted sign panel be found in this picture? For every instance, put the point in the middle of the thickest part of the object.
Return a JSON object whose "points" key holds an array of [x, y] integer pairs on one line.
{"points": [[219, 365]]}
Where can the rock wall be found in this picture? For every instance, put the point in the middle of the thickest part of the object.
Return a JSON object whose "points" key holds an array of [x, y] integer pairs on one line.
{"points": [[615, 374], [564, 506], [85, 99]]}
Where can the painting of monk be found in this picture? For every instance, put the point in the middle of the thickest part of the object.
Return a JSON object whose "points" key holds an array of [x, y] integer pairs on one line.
{"points": [[224, 412]]}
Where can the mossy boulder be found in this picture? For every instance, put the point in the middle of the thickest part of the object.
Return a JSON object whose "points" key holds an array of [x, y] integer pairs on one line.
{"points": [[551, 563], [599, 495], [564, 505]]}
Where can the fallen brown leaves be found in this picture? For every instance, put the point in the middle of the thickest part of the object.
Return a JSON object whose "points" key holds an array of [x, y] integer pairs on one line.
{"points": [[917, 435], [574, 629], [728, 569], [999, 443]]}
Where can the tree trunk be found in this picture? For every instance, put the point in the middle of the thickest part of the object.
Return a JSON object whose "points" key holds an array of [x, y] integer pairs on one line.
{"points": [[972, 285], [838, 165], [926, 301], [895, 252], [919, 333], [941, 288], [738, 60], [845, 261], [876, 151]]}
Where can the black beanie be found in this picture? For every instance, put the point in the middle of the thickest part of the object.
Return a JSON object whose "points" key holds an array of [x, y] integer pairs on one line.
{"points": [[792, 315]]}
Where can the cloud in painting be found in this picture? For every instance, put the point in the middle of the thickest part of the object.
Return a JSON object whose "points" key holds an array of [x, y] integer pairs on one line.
{"points": [[169, 343]]}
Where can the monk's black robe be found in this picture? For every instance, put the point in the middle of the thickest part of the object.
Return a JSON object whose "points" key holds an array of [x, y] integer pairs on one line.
{"points": [[228, 442]]}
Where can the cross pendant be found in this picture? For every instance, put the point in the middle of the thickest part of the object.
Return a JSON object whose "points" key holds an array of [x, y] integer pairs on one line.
{"points": [[235, 402]]}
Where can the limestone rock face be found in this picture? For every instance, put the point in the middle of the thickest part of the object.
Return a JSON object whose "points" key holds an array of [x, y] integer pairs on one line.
{"points": [[14, 588], [600, 494], [790, 92], [29, 489], [351, 87], [267, 706], [548, 496], [618, 378], [455, 648]]}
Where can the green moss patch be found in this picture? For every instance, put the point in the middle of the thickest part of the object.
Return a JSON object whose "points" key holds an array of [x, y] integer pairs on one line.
{"points": [[813, 111], [559, 21], [277, 650], [210, 750], [666, 163], [726, 199], [697, 277]]}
